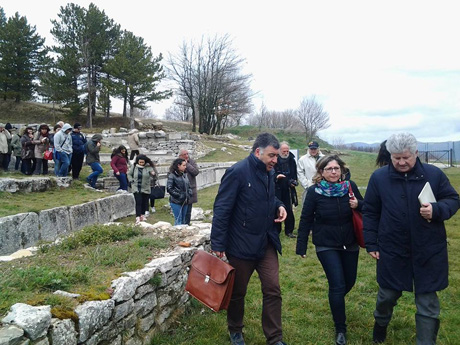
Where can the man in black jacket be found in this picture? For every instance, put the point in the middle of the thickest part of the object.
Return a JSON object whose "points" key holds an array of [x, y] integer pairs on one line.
{"points": [[243, 230], [78, 147], [407, 237], [286, 181]]}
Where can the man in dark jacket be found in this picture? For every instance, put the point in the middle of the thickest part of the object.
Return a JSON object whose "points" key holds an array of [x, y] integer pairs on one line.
{"points": [[92, 158], [243, 230], [286, 181], [192, 171], [408, 238], [78, 154]]}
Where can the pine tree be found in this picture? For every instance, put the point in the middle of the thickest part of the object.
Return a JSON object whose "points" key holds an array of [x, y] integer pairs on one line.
{"points": [[137, 74], [22, 57]]}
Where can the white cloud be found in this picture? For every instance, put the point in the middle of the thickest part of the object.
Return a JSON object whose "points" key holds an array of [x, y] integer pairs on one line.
{"points": [[377, 67]]}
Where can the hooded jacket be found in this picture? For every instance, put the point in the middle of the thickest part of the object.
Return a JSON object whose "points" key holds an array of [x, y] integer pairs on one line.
{"points": [[63, 141], [92, 150]]}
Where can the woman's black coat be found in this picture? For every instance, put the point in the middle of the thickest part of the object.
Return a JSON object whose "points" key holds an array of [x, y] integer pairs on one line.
{"points": [[330, 219]]}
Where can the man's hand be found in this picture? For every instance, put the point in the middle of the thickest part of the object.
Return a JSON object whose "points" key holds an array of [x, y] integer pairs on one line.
{"points": [[375, 255], [282, 214], [220, 255], [280, 176], [426, 211]]}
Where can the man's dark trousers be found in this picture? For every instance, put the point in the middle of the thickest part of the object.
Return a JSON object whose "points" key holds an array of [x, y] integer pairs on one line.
{"points": [[77, 163], [268, 269]]}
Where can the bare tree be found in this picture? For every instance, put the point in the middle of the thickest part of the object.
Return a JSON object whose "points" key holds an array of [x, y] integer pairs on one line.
{"points": [[209, 76], [313, 117], [180, 110]]}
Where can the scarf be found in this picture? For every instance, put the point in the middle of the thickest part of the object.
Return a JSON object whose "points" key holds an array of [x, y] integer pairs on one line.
{"points": [[332, 189]]}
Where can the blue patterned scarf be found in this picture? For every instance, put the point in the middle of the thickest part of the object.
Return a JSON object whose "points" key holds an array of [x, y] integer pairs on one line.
{"points": [[332, 189]]}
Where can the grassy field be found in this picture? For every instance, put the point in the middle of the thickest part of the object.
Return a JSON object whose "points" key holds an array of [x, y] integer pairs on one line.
{"points": [[306, 314]]}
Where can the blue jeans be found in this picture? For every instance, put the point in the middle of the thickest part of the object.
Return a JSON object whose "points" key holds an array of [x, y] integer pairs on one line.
{"points": [[123, 181], [64, 162], [340, 267], [180, 212], [97, 170]]}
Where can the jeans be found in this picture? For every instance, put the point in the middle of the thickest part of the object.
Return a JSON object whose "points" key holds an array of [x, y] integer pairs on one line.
{"points": [[340, 267], [188, 215], [18, 161], [123, 181], [97, 170], [267, 269], [180, 212], [64, 162]]}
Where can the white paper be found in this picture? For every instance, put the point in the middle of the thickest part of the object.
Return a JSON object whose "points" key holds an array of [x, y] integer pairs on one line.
{"points": [[426, 195]]}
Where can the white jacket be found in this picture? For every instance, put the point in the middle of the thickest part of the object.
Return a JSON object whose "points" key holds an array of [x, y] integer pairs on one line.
{"points": [[306, 169], [4, 136]]}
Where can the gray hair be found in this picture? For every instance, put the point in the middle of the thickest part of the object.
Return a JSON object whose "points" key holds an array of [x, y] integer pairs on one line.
{"points": [[400, 142], [284, 143]]}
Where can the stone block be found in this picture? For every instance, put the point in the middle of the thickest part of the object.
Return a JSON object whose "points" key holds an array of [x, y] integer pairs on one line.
{"points": [[11, 335], [92, 316], [18, 232], [83, 215], [145, 305], [63, 332], [54, 222], [33, 320], [122, 310]]}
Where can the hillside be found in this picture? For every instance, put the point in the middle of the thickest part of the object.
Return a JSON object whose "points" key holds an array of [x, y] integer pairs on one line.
{"points": [[33, 112]]}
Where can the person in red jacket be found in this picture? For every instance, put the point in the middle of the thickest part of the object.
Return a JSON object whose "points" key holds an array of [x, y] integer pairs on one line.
{"points": [[119, 164]]}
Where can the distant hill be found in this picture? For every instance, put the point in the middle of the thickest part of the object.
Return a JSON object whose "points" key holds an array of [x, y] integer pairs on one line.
{"points": [[362, 145]]}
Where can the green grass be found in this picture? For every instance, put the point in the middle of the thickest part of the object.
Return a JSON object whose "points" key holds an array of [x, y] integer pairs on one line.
{"points": [[85, 262], [20, 202], [306, 314]]}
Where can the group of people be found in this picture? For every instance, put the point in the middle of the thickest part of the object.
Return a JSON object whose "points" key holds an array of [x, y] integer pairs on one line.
{"points": [[407, 239], [143, 178], [33, 147]]}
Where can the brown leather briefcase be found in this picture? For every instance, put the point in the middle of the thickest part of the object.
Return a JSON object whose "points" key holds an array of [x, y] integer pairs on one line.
{"points": [[210, 280]]}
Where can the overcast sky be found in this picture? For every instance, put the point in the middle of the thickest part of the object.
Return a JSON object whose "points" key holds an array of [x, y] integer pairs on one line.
{"points": [[377, 67]]}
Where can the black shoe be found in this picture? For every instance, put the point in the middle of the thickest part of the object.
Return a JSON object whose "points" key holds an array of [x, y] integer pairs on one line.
{"points": [[340, 339], [291, 235], [236, 338], [379, 334]]}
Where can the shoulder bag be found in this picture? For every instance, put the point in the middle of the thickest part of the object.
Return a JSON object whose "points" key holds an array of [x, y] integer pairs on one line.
{"points": [[210, 280], [357, 220], [157, 191], [48, 154]]}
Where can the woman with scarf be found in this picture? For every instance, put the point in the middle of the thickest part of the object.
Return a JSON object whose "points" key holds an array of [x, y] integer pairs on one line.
{"points": [[139, 176], [327, 212]]}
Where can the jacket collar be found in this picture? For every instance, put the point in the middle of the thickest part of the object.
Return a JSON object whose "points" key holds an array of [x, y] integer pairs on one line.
{"points": [[417, 173]]}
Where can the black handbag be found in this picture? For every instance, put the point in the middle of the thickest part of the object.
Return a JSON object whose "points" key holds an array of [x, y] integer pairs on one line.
{"points": [[157, 192]]}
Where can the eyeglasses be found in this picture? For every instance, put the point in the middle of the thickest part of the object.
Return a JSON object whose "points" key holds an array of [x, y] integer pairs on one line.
{"points": [[332, 169]]}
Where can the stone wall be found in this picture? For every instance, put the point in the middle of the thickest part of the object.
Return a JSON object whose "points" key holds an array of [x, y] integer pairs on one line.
{"points": [[24, 230], [142, 303]]}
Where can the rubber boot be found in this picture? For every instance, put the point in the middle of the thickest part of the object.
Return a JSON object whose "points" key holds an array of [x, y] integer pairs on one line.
{"points": [[427, 330]]}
